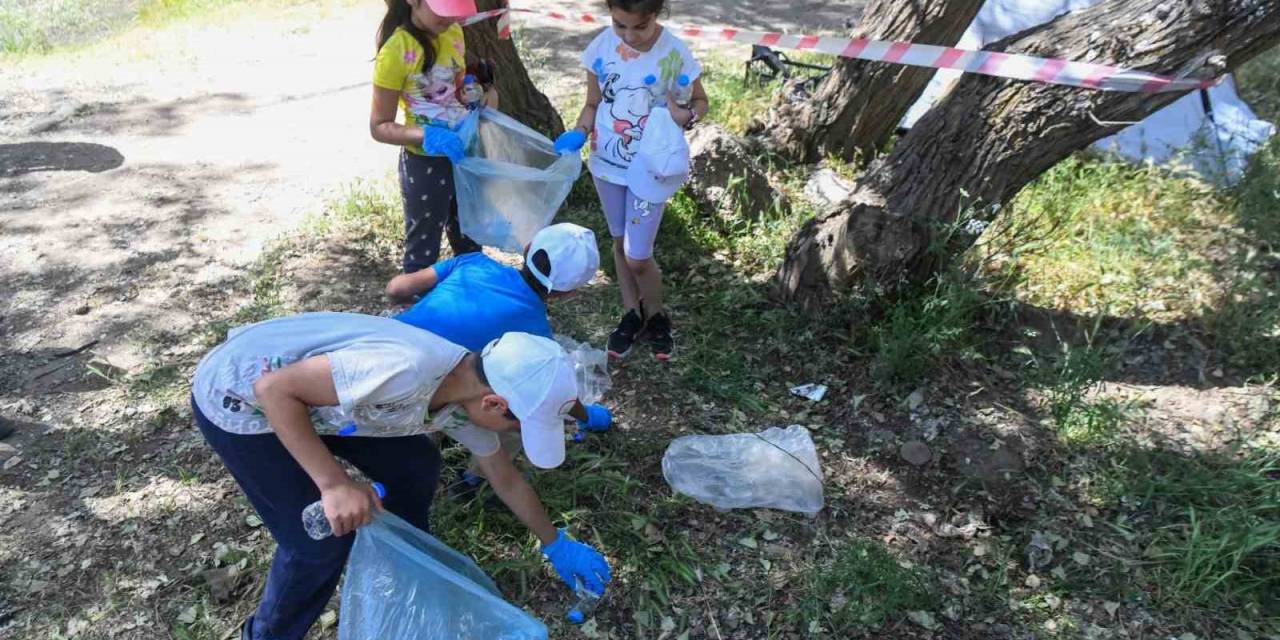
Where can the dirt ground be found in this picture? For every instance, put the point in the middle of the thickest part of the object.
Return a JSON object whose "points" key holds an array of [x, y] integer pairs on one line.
{"points": [[140, 179], [139, 182]]}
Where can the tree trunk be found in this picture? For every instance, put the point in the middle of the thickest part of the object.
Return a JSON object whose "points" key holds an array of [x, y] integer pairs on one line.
{"points": [[517, 96], [857, 108], [989, 137]]}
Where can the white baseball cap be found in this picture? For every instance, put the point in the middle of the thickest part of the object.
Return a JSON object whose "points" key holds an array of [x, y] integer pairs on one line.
{"points": [[661, 163], [535, 376], [573, 254]]}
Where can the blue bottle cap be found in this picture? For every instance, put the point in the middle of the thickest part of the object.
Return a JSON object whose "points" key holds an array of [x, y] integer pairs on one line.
{"points": [[468, 79], [683, 80], [575, 616], [348, 430], [651, 79], [380, 490]]}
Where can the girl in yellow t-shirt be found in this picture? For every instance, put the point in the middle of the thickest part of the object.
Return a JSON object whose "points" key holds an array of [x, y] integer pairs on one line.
{"points": [[419, 68]]}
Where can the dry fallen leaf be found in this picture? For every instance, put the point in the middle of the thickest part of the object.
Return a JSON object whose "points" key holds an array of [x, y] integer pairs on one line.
{"points": [[328, 619]]}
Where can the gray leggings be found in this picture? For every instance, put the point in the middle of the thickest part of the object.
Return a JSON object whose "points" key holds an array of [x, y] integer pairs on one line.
{"points": [[634, 220]]}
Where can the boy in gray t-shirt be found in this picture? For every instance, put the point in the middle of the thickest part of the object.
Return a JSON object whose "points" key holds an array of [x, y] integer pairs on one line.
{"points": [[281, 400]]}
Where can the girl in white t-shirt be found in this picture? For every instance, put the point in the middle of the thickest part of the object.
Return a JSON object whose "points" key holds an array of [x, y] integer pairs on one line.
{"points": [[632, 67]]}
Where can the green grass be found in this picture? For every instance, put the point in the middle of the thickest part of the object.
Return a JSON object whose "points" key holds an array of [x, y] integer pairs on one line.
{"points": [[734, 103], [604, 497], [1097, 237], [37, 27], [863, 586], [1259, 84], [1079, 414], [1210, 529], [923, 328]]}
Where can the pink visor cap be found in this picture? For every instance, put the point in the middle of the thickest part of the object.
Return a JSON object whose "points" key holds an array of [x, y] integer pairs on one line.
{"points": [[452, 8]]}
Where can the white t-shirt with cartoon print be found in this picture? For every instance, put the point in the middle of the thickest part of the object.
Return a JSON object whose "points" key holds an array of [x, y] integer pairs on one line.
{"points": [[625, 104], [384, 371]]}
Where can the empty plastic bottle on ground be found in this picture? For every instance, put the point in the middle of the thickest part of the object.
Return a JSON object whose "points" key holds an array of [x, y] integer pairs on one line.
{"points": [[317, 524], [584, 604]]}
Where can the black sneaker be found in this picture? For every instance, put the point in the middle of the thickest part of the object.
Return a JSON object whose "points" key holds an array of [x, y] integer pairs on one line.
{"points": [[658, 332], [624, 336]]}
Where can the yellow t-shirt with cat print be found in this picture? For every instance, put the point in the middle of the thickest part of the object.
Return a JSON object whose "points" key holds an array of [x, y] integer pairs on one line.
{"points": [[427, 97]]}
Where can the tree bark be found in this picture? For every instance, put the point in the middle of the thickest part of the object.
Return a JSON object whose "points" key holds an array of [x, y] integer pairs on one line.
{"points": [[517, 96], [857, 108], [989, 137]]}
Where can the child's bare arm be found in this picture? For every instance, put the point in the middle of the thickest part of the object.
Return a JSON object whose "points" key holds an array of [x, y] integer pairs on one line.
{"points": [[408, 286], [587, 119], [516, 493], [382, 120]]}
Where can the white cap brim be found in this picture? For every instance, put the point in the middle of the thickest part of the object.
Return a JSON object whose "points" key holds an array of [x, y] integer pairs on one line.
{"points": [[543, 441], [537, 380]]}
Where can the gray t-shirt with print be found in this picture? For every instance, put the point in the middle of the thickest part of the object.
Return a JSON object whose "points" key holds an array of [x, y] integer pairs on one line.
{"points": [[384, 371]]}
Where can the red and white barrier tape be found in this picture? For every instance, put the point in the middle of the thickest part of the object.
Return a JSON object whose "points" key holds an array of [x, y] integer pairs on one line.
{"points": [[1013, 66]]}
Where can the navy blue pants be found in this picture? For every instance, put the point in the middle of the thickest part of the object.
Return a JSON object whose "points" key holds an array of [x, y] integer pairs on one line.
{"points": [[305, 572], [430, 209]]}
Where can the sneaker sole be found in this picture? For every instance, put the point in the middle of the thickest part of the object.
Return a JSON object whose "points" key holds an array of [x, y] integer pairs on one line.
{"points": [[614, 355]]}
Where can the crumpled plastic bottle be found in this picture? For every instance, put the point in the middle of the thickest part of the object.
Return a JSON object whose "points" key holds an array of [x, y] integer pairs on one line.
{"points": [[590, 367], [317, 524], [584, 605]]}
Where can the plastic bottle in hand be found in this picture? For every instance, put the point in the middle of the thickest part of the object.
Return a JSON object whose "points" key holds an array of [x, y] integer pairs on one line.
{"points": [[472, 92], [584, 604], [683, 92], [317, 524], [651, 86]]}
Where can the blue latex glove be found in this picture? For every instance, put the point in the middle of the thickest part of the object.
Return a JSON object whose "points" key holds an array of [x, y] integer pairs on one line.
{"points": [[574, 561], [570, 141], [598, 419], [439, 141]]}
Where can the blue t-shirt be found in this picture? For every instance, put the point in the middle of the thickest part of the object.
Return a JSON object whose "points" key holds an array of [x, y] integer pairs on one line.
{"points": [[476, 300]]}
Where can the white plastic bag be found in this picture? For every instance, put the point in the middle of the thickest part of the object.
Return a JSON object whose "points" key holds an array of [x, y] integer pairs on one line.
{"points": [[590, 367], [403, 583], [661, 162], [512, 181], [776, 468]]}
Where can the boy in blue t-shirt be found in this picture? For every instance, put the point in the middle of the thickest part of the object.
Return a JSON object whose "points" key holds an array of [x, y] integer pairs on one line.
{"points": [[472, 299]]}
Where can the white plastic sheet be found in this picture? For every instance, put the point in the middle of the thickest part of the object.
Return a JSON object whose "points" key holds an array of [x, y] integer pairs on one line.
{"points": [[776, 468], [1181, 134]]}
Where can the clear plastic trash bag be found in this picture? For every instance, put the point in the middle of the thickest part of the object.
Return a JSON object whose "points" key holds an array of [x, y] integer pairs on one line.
{"points": [[404, 583], [512, 181], [776, 468], [590, 367]]}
